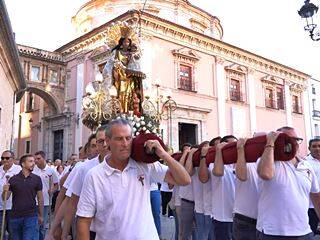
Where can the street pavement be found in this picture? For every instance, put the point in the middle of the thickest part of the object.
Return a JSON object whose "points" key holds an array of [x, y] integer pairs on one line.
{"points": [[167, 228]]}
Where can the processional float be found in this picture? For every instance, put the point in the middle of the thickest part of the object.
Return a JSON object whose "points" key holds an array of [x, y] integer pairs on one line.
{"points": [[117, 92]]}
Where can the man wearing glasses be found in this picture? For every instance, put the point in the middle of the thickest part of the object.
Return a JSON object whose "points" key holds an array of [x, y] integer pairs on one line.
{"points": [[314, 161], [7, 169], [75, 187], [285, 191]]}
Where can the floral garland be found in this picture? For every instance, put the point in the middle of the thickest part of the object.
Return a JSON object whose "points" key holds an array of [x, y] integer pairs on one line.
{"points": [[143, 123]]}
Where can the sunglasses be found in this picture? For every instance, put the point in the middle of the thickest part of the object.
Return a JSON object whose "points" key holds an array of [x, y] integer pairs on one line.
{"points": [[5, 158]]}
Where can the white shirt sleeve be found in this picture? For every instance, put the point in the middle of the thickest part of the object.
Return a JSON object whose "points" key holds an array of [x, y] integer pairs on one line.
{"points": [[77, 182], [314, 184], [87, 203], [71, 175], [157, 171]]}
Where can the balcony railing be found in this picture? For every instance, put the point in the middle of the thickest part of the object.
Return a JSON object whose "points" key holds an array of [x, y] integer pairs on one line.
{"points": [[316, 113], [236, 96], [296, 109], [271, 103], [187, 85]]}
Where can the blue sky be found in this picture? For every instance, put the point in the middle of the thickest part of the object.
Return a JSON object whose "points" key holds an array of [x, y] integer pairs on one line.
{"points": [[272, 29]]}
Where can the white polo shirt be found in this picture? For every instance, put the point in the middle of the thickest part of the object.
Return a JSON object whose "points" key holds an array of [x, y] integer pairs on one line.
{"points": [[197, 188], [165, 187], [223, 190], [246, 193], [77, 182], [186, 192], [315, 164], [44, 175], [207, 198], [72, 175], [14, 170], [284, 200], [154, 186], [120, 201], [176, 196]]}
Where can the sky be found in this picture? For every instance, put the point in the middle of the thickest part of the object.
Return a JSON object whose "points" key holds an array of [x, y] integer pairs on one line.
{"points": [[270, 28]]}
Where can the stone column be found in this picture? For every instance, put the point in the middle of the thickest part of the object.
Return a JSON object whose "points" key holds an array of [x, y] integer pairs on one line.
{"points": [[41, 121], [306, 112], [80, 83], [221, 94], [252, 102], [288, 103]]}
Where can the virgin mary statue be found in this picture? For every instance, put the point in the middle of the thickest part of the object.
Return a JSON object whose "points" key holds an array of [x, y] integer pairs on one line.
{"points": [[122, 69]]}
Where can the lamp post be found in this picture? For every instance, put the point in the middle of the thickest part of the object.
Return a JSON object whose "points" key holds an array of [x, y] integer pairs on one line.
{"points": [[99, 105], [307, 11], [161, 110]]}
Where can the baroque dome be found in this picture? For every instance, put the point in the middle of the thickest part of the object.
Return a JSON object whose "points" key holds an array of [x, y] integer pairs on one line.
{"points": [[97, 12]]}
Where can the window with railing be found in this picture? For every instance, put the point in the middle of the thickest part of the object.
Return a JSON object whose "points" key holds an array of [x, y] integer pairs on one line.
{"points": [[269, 101], [235, 92], [280, 98], [185, 78], [296, 107]]}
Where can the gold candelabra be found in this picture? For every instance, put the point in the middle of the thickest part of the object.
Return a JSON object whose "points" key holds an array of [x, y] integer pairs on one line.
{"points": [[161, 110], [99, 105]]}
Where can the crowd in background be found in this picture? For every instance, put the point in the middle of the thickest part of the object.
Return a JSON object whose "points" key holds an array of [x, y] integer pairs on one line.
{"points": [[104, 194]]}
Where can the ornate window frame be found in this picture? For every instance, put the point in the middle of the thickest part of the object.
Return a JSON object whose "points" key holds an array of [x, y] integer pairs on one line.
{"points": [[273, 83], [296, 90], [238, 73], [188, 58]]}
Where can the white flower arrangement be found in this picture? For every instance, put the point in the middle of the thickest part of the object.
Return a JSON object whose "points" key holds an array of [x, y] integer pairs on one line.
{"points": [[141, 124]]}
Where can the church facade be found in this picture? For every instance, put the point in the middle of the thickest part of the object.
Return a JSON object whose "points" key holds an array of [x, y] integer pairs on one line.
{"points": [[219, 88]]}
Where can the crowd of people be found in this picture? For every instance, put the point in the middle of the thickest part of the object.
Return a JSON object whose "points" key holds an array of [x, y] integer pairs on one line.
{"points": [[105, 194]]}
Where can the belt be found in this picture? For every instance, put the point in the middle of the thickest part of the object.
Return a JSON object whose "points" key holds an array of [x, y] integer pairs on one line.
{"points": [[245, 218], [186, 200]]}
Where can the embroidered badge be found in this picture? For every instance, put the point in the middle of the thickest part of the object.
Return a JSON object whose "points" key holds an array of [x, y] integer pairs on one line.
{"points": [[141, 179]]}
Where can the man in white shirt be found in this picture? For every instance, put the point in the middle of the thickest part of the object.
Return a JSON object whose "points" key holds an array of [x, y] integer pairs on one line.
{"points": [[7, 169], [223, 191], [285, 189], [48, 176], [75, 186], [92, 150], [187, 198], [314, 160], [116, 193], [246, 197]]}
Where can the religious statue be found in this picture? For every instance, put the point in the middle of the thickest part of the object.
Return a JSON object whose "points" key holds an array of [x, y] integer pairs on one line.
{"points": [[122, 69]]}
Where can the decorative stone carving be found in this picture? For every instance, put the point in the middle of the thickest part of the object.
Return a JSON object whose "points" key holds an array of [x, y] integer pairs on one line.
{"points": [[272, 81], [297, 89], [186, 55]]}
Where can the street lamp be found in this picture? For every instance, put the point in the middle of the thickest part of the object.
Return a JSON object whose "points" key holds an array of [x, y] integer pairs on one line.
{"points": [[99, 105], [307, 11], [160, 111]]}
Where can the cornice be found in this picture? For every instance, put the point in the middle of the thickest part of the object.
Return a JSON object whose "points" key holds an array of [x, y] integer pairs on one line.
{"points": [[10, 49], [186, 55], [175, 33], [40, 54], [271, 80], [236, 68]]}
